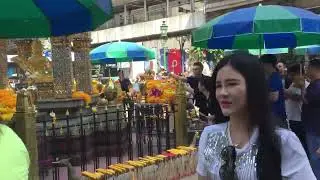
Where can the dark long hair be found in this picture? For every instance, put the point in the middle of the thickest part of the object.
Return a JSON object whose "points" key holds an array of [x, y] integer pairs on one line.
{"points": [[269, 157], [206, 83]]}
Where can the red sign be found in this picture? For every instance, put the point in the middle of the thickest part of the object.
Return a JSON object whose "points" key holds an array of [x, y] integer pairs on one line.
{"points": [[174, 61], [151, 65]]}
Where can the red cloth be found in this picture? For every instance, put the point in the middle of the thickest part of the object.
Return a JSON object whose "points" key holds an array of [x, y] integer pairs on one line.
{"points": [[174, 61]]}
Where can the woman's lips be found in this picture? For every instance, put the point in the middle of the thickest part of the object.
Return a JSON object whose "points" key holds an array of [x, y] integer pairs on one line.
{"points": [[225, 104]]}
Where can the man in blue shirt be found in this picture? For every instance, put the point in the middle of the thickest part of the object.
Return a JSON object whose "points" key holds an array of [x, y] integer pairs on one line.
{"points": [[311, 115], [276, 94]]}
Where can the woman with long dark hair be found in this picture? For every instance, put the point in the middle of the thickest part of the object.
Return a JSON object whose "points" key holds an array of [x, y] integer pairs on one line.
{"points": [[248, 146]]}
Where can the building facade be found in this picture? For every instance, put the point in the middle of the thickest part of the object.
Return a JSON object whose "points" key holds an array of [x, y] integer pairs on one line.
{"points": [[140, 20]]}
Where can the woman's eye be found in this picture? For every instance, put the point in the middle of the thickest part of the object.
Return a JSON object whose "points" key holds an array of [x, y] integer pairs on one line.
{"points": [[232, 84], [218, 85]]}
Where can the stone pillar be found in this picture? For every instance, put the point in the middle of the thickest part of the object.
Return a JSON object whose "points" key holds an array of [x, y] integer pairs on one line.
{"points": [[181, 115], [25, 127], [82, 64], [3, 64], [62, 67], [23, 48]]}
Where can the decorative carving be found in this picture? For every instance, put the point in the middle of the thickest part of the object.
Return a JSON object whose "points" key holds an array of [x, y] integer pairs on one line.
{"points": [[82, 64], [24, 101], [81, 42], [36, 68], [62, 67], [23, 48]]}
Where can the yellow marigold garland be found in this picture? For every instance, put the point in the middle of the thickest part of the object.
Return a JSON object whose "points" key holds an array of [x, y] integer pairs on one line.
{"points": [[82, 95], [8, 102]]}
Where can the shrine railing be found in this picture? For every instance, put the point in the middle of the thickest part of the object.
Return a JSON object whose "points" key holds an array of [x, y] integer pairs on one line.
{"points": [[101, 136]]}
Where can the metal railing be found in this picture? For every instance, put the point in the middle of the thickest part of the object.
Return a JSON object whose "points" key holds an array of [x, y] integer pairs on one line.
{"points": [[103, 136], [217, 5]]}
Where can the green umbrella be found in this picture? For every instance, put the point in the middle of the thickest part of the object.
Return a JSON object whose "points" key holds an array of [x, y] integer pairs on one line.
{"points": [[46, 18], [260, 27], [302, 50], [121, 52]]}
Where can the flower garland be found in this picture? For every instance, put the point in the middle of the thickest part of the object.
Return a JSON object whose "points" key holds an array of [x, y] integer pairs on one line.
{"points": [[82, 95], [161, 91], [8, 103]]}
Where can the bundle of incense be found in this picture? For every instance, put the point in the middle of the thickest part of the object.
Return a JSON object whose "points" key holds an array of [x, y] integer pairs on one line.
{"points": [[171, 170], [173, 164], [184, 160], [192, 158], [163, 168], [178, 163], [93, 176], [150, 171], [138, 168], [109, 173]]}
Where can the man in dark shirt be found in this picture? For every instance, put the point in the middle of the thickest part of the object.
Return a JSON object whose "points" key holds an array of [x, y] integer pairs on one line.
{"points": [[276, 89], [124, 82], [311, 115], [193, 81]]}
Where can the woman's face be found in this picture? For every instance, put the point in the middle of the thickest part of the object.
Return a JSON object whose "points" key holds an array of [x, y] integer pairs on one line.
{"points": [[231, 91]]}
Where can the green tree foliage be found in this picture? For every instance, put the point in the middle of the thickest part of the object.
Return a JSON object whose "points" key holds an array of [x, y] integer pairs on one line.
{"points": [[198, 54]]}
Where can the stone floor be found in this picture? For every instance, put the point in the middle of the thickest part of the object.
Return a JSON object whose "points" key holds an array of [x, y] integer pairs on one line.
{"points": [[194, 177]]}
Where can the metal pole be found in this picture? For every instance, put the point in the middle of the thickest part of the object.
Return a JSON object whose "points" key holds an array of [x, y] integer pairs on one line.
{"points": [[182, 53], [145, 10], [168, 7], [125, 14], [192, 6], [165, 57]]}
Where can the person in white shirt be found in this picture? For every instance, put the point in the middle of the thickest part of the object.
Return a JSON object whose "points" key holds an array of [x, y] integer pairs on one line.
{"points": [[248, 146], [294, 101]]}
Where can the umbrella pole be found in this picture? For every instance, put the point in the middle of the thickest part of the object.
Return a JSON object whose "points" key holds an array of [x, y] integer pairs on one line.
{"points": [[260, 47], [301, 66], [259, 52]]}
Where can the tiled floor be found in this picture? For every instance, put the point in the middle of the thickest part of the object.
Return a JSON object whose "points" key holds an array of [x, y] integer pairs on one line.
{"points": [[194, 177]]}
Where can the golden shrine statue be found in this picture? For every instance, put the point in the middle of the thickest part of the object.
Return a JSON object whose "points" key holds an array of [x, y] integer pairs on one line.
{"points": [[37, 68]]}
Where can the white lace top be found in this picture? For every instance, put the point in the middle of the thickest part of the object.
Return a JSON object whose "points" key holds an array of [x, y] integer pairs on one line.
{"points": [[294, 161]]}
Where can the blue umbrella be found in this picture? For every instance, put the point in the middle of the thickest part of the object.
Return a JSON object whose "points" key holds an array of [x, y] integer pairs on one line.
{"points": [[258, 52], [46, 18], [260, 27], [120, 52]]}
